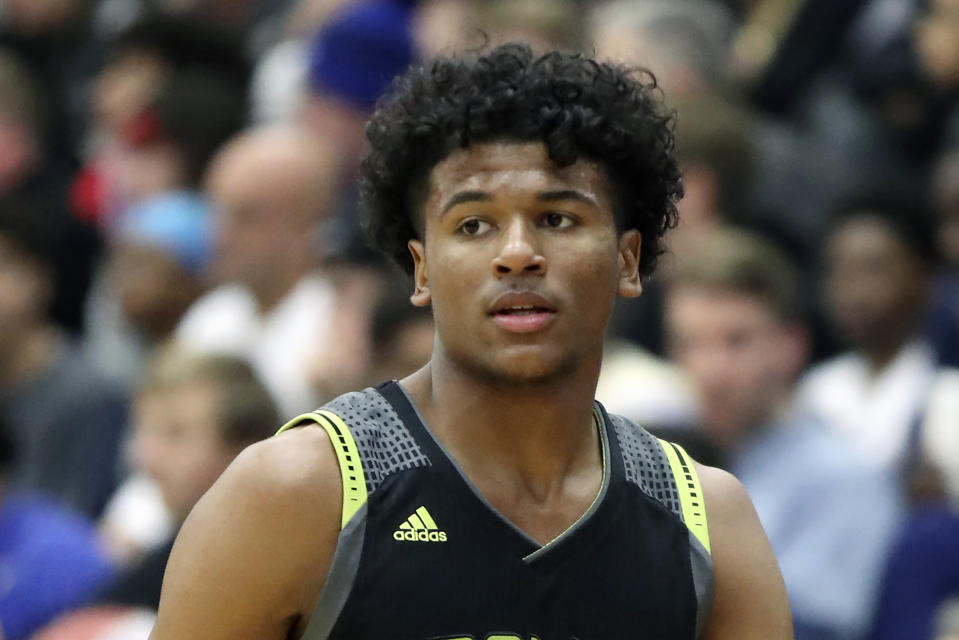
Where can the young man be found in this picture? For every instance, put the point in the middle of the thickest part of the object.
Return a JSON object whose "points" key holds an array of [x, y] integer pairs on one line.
{"points": [[734, 318], [487, 495]]}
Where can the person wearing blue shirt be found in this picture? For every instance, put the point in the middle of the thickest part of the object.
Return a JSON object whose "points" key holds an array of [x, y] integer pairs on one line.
{"points": [[49, 558], [734, 325]]}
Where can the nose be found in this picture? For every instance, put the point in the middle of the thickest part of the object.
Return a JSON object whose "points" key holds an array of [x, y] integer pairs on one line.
{"points": [[519, 252]]}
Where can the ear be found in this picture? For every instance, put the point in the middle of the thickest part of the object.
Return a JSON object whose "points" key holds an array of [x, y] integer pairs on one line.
{"points": [[421, 288], [630, 285]]}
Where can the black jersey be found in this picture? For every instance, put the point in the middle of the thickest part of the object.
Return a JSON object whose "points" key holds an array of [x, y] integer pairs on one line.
{"points": [[422, 556]]}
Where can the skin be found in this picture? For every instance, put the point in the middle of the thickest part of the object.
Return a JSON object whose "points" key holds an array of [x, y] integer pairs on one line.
{"points": [[510, 233]]}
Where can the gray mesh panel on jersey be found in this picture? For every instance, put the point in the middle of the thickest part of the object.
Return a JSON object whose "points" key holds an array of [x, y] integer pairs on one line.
{"points": [[385, 444], [646, 464]]}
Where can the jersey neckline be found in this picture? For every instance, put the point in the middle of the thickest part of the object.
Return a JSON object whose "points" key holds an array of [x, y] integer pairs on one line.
{"points": [[528, 548]]}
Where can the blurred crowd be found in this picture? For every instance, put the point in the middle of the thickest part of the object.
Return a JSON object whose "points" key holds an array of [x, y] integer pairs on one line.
{"points": [[182, 269]]}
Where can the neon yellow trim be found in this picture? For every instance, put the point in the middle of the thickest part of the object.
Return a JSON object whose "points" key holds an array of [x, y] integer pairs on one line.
{"points": [[426, 518], [347, 455], [690, 491]]}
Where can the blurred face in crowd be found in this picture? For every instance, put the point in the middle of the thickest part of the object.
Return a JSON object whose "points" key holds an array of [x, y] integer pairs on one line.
{"points": [[177, 441], [875, 286], [24, 293], [740, 356], [270, 190], [154, 290], [126, 86]]}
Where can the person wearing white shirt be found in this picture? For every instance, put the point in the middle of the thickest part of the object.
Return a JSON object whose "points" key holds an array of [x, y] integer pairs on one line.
{"points": [[271, 188]]}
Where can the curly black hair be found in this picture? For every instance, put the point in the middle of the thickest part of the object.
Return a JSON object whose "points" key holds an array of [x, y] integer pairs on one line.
{"points": [[574, 105]]}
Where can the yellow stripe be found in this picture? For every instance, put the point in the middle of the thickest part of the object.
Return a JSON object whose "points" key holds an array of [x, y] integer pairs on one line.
{"points": [[416, 522], [426, 518], [347, 455], [690, 491]]}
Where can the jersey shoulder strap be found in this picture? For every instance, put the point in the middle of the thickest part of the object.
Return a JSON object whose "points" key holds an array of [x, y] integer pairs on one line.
{"points": [[665, 473], [370, 441]]}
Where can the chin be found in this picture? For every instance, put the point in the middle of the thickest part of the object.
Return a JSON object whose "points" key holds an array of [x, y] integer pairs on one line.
{"points": [[523, 369]]}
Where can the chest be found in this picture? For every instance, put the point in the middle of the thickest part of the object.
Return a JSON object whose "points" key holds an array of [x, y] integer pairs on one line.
{"points": [[437, 565]]}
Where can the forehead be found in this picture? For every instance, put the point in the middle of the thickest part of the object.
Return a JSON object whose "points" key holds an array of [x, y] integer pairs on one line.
{"points": [[697, 305], [513, 169], [866, 234]]}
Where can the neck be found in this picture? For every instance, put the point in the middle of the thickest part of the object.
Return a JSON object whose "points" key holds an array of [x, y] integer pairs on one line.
{"points": [[27, 356], [534, 437], [881, 355], [269, 292]]}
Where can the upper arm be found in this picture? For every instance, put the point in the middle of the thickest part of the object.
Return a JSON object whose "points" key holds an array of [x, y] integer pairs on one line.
{"points": [[250, 560], [750, 601]]}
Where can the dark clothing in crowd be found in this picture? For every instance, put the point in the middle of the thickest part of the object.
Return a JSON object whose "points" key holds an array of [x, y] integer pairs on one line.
{"points": [[139, 586], [922, 574], [67, 425]]}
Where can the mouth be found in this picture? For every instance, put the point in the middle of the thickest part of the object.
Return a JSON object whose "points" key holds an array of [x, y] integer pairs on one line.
{"points": [[522, 312]]}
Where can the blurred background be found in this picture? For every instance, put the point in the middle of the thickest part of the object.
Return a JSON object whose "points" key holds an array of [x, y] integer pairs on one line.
{"points": [[182, 269]]}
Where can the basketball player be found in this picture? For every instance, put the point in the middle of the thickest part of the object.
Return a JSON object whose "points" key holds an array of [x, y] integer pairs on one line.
{"points": [[487, 495]]}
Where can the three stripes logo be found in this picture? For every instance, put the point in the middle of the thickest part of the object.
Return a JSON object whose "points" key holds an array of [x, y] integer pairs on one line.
{"points": [[419, 527]]}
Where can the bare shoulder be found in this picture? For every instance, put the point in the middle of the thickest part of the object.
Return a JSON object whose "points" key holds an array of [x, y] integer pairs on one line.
{"points": [[264, 534], [750, 601], [726, 498]]}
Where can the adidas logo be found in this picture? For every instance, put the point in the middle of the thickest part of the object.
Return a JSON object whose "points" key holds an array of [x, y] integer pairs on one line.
{"points": [[419, 527]]}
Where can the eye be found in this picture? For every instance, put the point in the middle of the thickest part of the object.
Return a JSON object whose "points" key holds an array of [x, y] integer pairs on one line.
{"points": [[473, 227], [556, 220]]}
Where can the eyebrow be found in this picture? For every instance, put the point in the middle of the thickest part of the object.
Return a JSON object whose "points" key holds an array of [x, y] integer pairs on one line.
{"points": [[566, 194], [466, 196], [545, 196]]}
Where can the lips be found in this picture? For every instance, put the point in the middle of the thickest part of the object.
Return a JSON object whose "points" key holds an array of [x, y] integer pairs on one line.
{"points": [[522, 311]]}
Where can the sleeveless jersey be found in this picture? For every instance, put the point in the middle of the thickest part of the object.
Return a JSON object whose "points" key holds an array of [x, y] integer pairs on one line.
{"points": [[423, 556]]}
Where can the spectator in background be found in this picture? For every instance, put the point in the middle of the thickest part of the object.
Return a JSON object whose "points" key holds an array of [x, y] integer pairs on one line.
{"points": [[921, 579], [944, 321], [542, 25], [880, 259], [127, 107], [66, 421], [50, 558], [735, 326], [27, 170], [161, 252], [352, 61], [167, 155], [156, 269], [192, 416], [401, 334], [272, 190]]}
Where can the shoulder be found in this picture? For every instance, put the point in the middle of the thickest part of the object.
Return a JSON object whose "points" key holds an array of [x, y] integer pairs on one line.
{"points": [[750, 599], [275, 510], [726, 497], [298, 464]]}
